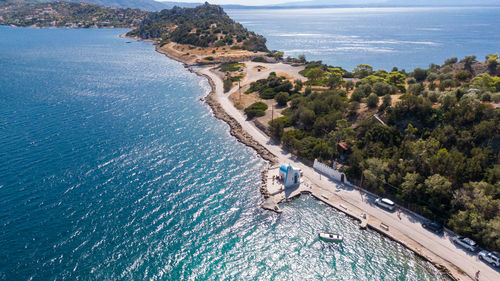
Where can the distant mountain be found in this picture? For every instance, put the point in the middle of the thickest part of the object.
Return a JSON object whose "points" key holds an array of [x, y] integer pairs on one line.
{"points": [[443, 2], [312, 3]]}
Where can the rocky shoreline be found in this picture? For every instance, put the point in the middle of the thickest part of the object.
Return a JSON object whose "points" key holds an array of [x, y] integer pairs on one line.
{"points": [[235, 128]]}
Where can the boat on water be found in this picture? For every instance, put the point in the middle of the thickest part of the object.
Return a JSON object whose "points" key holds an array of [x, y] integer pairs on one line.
{"points": [[331, 237]]}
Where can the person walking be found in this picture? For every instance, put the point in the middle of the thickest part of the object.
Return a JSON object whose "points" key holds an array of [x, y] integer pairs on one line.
{"points": [[477, 275]]}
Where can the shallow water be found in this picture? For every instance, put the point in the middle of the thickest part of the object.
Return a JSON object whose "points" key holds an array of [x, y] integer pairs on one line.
{"points": [[112, 169]]}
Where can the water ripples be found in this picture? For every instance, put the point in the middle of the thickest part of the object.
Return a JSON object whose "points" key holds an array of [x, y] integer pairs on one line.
{"points": [[127, 176]]}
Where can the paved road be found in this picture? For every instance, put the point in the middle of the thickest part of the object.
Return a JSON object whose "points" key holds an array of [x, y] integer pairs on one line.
{"points": [[408, 225]]}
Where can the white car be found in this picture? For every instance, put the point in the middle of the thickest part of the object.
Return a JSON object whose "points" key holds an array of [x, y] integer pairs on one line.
{"points": [[385, 203], [491, 257], [467, 243]]}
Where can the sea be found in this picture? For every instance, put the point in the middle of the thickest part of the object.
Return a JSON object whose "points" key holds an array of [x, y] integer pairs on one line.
{"points": [[112, 168], [406, 37]]}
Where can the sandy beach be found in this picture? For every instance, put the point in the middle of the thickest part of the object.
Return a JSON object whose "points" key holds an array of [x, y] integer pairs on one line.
{"points": [[407, 230]]}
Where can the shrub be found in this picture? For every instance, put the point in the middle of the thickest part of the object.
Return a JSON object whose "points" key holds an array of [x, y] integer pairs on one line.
{"points": [[282, 98], [267, 94], [420, 74], [463, 76], [307, 91], [228, 84], [277, 126], [357, 95], [256, 110], [372, 100], [259, 59], [411, 81], [386, 102], [210, 58]]}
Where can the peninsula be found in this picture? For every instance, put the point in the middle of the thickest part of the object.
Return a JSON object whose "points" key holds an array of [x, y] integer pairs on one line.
{"points": [[428, 139]]}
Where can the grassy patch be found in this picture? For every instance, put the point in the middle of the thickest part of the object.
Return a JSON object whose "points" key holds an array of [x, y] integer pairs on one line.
{"points": [[231, 66]]}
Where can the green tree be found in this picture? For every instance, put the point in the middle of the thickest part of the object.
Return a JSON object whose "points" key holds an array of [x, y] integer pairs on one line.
{"points": [[386, 102], [335, 79], [411, 188], [282, 98], [372, 100], [342, 132], [463, 76], [363, 70], [314, 75], [298, 85], [382, 89], [375, 172], [277, 126], [307, 118], [468, 61], [451, 61], [420, 74], [396, 79], [349, 85]]}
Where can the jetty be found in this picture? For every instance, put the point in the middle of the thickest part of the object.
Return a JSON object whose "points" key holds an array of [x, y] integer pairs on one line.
{"points": [[276, 193]]}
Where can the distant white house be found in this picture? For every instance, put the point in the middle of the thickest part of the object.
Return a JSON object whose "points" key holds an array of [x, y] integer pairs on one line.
{"points": [[290, 175]]}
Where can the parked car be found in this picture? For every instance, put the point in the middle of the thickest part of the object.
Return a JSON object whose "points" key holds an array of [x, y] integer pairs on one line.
{"points": [[433, 225], [467, 243], [385, 203], [491, 257]]}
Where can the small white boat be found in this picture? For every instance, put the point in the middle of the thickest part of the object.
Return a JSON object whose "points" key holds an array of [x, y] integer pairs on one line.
{"points": [[331, 237]]}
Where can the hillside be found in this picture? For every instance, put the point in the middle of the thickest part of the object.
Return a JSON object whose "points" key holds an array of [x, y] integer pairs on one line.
{"points": [[204, 26], [146, 5], [68, 14]]}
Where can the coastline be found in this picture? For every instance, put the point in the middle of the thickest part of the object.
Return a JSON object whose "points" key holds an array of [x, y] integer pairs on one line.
{"points": [[237, 129]]}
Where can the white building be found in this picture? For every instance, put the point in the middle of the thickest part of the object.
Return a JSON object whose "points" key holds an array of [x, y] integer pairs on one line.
{"points": [[290, 175]]}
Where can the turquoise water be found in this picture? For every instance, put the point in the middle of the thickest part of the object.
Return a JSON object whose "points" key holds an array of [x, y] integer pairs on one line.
{"points": [[382, 37], [112, 169]]}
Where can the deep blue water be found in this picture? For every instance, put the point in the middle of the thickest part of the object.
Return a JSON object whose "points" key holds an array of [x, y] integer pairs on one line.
{"points": [[382, 37], [112, 169]]}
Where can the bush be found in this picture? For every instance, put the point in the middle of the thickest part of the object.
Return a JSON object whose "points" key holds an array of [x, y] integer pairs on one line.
{"points": [[257, 109], [209, 58], [463, 76], [298, 85], [411, 81], [259, 59], [282, 98], [420, 74], [372, 100], [386, 102], [228, 84], [277, 126], [267, 94], [357, 95], [382, 89], [486, 97]]}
